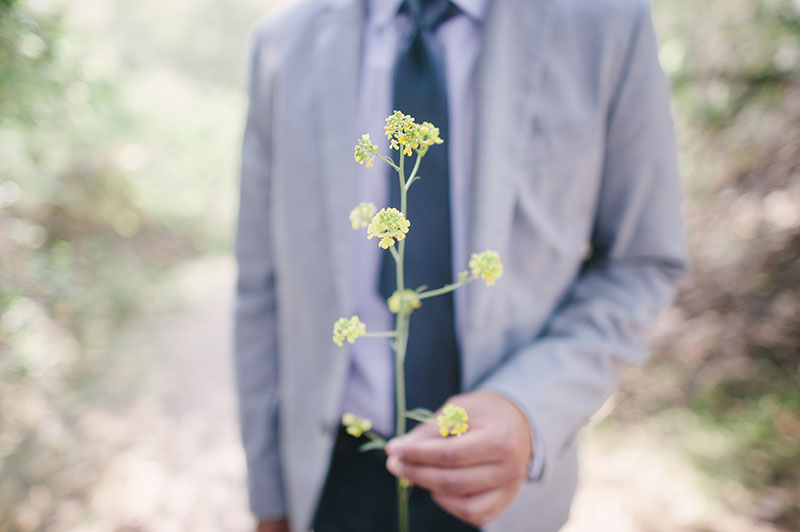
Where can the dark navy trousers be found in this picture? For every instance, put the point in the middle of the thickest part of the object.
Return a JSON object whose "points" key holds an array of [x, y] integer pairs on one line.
{"points": [[359, 496]]}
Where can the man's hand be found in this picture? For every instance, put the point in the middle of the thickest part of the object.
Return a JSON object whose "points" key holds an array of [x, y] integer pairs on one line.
{"points": [[281, 525], [474, 476]]}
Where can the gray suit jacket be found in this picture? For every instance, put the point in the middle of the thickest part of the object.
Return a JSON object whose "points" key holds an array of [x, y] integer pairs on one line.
{"points": [[575, 185]]}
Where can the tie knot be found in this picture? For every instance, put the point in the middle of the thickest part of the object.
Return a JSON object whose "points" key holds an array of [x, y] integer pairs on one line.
{"points": [[429, 14]]}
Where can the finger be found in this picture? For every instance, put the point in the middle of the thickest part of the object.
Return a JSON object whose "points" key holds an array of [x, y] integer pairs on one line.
{"points": [[478, 509], [473, 448], [456, 481], [420, 432], [429, 429]]}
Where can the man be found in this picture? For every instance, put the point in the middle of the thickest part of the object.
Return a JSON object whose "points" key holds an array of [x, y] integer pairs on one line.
{"points": [[561, 158]]}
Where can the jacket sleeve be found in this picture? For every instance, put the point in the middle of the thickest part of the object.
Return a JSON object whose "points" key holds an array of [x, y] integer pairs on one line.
{"points": [[255, 329], [562, 377]]}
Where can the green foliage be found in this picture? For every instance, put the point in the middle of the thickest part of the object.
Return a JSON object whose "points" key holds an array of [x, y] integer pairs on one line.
{"points": [[81, 242], [26, 58], [68, 216], [203, 40], [733, 369], [737, 52]]}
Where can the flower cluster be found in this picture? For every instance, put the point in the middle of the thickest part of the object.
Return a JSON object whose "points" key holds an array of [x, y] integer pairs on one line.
{"points": [[407, 300], [452, 421], [365, 150], [388, 225], [404, 134], [361, 215], [486, 264], [354, 425], [348, 329]]}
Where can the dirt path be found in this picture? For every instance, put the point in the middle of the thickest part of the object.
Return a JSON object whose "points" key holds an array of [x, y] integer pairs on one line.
{"points": [[183, 469], [181, 466]]}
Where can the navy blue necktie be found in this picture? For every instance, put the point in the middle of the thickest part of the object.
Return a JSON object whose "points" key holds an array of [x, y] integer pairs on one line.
{"points": [[432, 362]]}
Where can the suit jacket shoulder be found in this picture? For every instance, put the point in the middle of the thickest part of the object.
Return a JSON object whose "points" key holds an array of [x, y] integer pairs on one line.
{"points": [[600, 20], [586, 50], [600, 10]]}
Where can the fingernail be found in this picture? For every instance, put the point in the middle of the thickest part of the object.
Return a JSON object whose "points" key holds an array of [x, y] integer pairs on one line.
{"points": [[394, 447], [393, 465]]}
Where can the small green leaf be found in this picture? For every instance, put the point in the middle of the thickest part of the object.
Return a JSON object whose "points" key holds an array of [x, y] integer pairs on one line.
{"points": [[419, 414], [372, 445]]}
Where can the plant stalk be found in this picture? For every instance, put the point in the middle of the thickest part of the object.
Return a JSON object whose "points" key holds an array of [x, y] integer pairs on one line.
{"points": [[444, 290], [401, 330], [403, 493]]}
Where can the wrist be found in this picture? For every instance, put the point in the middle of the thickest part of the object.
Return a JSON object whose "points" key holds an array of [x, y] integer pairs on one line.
{"points": [[273, 525]]}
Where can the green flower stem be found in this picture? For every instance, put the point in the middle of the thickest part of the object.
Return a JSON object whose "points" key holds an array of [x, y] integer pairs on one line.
{"points": [[403, 492], [382, 334], [445, 289], [400, 356], [388, 161], [416, 416], [413, 177], [401, 174], [402, 245], [400, 379], [400, 258], [395, 254], [400, 423], [374, 436]]}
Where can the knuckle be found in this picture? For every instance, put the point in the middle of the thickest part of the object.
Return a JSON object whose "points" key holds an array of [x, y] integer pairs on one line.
{"points": [[505, 446]]}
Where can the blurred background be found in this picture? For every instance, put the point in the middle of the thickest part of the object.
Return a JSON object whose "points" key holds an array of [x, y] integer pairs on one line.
{"points": [[119, 135]]}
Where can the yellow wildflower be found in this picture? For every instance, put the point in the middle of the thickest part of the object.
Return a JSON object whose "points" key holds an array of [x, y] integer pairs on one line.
{"points": [[486, 264], [388, 225], [452, 421], [408, 300], [355, 426], [361, 215], [365, 150], [405, 135], [397, 124], [349, 330]]}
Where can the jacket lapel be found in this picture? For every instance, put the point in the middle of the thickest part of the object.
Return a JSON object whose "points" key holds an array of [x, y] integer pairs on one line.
{"points": [[509, 74], [337, 56]]}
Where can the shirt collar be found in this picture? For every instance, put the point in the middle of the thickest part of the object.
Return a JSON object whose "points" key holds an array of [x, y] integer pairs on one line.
{"points": [[381, 12]]}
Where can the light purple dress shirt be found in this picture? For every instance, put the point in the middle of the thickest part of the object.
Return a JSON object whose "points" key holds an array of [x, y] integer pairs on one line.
{"points": [[370, 383]]}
